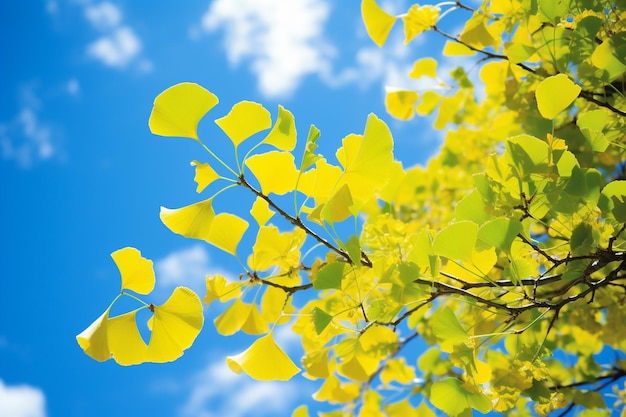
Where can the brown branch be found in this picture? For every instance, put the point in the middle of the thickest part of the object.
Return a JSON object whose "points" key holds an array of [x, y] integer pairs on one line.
{"points": [[288, 290], [296, 221]]}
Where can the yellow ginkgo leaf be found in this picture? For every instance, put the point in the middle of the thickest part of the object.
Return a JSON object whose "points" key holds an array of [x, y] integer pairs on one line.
{"points": [[94, 340], [275, 249], [261, 211], [233, 318], [178, 110], [137, 272], [175, 326], [424, 67], [378, 23], [276, 171], [320, 181], [255, 323], [205, 175], [218, 288], [419, 19], [400, 104], [264, 360], [244, 120], [339, 207], [555, 94], [126, 344], [283, 134], [198, 221]]}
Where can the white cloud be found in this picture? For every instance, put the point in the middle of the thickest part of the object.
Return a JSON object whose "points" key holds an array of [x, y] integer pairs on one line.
{"points": [[25, 138], [282, 39], [118, 46], [21, 401], [217, 391], [104, 15], [117, 49], [188, 267]]}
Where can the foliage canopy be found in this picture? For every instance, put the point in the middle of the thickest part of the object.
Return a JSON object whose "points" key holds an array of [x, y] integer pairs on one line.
{"points": [[505, 254]]}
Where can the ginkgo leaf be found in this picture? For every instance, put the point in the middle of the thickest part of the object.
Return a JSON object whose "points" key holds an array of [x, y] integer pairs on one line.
{"points": [[378, 22], [456, 241], [233, 318], [401, 104], [245, 119], [301, 411], [261, 211], [136, 271], [329, 276], [500, 232], [321, 319], [397, 370], [446, 327], [310, 157], [218, 288], [613, 199], [450, 396], [255, 323], [339, 207], [419, 19], [126, 344], [275, 249], [198, 221], [555, 94], [264, 360], [205, 175], [175, 325], [94, 340], [475, 32], [178, 110], [283, 134], [276, 171], [424, 67], [610, 56]]}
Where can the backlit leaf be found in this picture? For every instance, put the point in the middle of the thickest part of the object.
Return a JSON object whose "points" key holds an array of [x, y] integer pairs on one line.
{"points": [[400, 104], [456, 241], [447, 328], [321, 319], [419, 19], [233, 318], [450, 396], [275, 171], [218, 288], [275, 249], [264, 360], [178, 110], [283, 134], [500, 232], [610, 56], [94, 340], [424, 67], [198, 221], [555, 94], [310, 157], [614, 199], [378, 23], [136, 271], [261, 211], [329, 276], [245, 119], [205, 175]]}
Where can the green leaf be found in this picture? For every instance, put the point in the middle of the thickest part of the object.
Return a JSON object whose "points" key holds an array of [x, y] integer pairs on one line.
{"points": [[178, 110], [446, 327], [329, 276], [582, 239], [555, 94], [310, 157], [451, 397], [378, 23], [554, 10], [245, 119], [610, 56], [471, 207], [456, 241], [353, 247], [283, 134], [500, 232], [614, 200], [321, 319]]}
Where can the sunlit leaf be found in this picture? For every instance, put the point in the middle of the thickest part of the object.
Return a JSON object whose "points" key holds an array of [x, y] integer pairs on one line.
{"points": [[310, 157], [245, 119], [275, 249], [264, 360], [178, 110], [205, 175], [283, 134], [378, 23], [610, 56], [233, 318], [321, 319], [450, 396], [475, 32], [261, 211], [329, 276], [447, 328], [275, 171], [500, 232], [136, 271], [397, 370], [339, 207], [614, 199], [175, 325], [400, 104], [456, 241], [218, 288], [94, 340], [424, 67], [419, 19], [198, 221], [555, 94], [126, 344]]}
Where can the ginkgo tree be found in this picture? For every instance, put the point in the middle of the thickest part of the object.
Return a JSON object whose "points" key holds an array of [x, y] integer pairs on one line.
{"points": [[505, 254]]}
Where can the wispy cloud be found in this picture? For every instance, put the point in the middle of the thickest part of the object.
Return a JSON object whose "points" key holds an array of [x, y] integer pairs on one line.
{"points": [[119, 46], [21, 401], [217, 391], [26, 138], [282, 40], [188, 267]]}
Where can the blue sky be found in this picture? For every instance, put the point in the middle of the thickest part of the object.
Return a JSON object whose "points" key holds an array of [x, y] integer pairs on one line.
{"points": [[82, 177]]}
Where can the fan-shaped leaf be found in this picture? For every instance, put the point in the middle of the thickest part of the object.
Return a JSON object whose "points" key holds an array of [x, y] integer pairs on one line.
{"points": [[244, 120], [264, 360], [378, 23], [136, 271], [555, 94]]}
